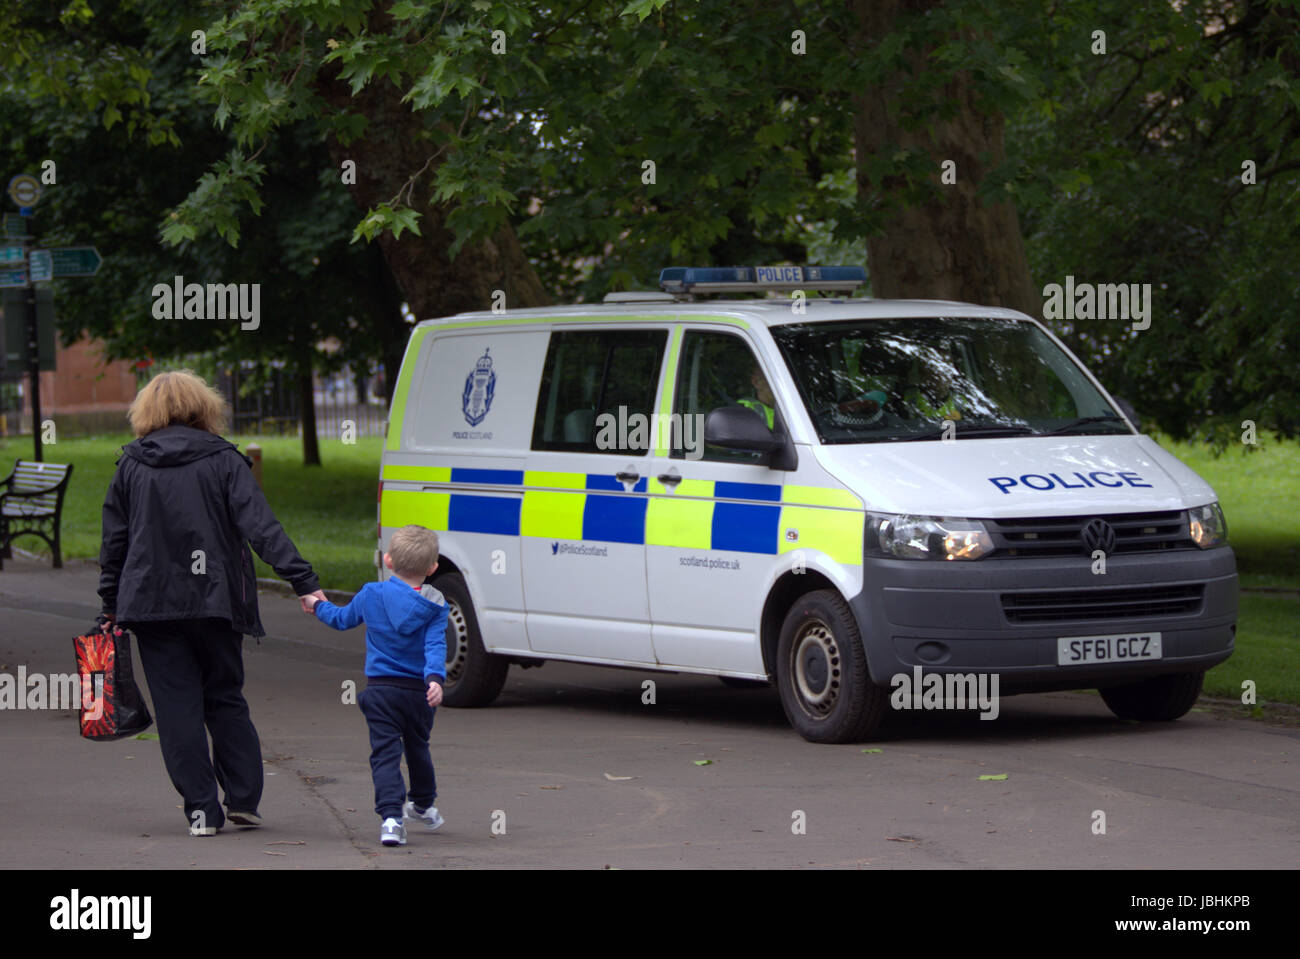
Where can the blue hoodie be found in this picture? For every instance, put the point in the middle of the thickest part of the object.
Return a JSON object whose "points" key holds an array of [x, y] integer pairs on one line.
{"points": [[405, 629]]}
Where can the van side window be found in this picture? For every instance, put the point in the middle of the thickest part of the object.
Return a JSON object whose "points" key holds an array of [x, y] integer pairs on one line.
{"points": [[718, 369], [592, 385]]}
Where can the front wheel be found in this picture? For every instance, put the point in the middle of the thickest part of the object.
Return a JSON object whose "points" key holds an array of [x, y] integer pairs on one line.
{"points": [[1159, 699], [474, 676], [821, 672]]}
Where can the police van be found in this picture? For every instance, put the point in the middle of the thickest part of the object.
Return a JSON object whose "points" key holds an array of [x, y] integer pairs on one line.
{"points": [[820, 491]]}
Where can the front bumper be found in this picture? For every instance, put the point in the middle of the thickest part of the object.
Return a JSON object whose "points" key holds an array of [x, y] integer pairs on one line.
{"points": [[954, 617]]}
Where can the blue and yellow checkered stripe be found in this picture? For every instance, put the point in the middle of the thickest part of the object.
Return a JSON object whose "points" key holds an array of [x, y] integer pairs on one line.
{"points": [[697, 514]]}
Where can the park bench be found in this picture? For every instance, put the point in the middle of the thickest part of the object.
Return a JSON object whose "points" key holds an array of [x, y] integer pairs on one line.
{"points": [[31, 503]]}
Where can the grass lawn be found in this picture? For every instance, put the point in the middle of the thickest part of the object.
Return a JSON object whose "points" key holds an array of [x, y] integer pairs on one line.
{"points": [[329, 512], [1260, 496]]}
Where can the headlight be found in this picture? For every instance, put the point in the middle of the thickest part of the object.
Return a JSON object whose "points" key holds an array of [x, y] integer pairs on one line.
{"points": [[1208, 527], [927, 537]]}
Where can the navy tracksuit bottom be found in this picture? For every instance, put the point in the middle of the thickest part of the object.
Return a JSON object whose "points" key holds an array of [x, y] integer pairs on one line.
{"points": [[195, 672], [400, 720]]}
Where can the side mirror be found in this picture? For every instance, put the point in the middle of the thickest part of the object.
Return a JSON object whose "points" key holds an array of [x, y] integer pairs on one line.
{"points": [[739, 428], [1126, 408]]}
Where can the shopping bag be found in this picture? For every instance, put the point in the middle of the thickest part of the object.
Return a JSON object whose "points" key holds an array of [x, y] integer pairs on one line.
{"points": [[111, 704]]}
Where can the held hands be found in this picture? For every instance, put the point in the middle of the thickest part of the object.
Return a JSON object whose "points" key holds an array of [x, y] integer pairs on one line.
{"points": [[434, 694], [310, 600]]}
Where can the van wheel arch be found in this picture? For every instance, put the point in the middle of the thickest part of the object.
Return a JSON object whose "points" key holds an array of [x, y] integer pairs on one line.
{"points": [[785, 592], [477, 678]]}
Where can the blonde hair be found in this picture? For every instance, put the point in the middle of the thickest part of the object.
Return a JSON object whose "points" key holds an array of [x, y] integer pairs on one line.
{"points": [[179, 397], [413, 550]]}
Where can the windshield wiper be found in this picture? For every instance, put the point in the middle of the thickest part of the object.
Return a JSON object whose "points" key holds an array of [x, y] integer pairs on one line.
{"points": [[1083, 421], [1006, 429]]}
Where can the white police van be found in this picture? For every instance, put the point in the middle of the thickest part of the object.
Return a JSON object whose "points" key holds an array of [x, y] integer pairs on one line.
{"points": [[825, 493]]}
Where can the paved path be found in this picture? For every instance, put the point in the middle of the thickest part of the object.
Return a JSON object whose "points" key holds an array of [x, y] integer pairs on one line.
{"points": [[1203, 792]]}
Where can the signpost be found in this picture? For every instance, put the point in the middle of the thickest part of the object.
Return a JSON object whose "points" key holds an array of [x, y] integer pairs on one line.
{"points": [[25, 191], [75, 261], [16, 323], [29, 312], [40, 266]]}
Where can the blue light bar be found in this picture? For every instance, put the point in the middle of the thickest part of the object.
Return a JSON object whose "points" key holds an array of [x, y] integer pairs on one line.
{"points": [[740, 279]]}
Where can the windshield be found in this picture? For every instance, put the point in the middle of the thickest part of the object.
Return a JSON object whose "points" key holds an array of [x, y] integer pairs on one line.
{"points": [[870, 381]]}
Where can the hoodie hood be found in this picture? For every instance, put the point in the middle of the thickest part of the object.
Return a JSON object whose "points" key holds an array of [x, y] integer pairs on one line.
{"points": [[176, 446], [406, 608]]}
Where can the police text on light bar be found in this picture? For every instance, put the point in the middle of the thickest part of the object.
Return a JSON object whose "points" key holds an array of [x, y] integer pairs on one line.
{"points": [[740, 279]]}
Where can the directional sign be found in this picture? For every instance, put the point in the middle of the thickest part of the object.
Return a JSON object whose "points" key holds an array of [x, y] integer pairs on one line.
{"points": [[75, 261], [15, 225], [41, 266], [12, 253], [24, 190], [13, 278]]}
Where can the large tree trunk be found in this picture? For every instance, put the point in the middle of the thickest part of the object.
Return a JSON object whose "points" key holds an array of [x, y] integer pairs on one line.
{"points": [[307, 416], [951, 247], [396, 145]]}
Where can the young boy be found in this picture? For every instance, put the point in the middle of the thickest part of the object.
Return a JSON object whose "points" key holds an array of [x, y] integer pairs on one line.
{"points": [[406, 656]]}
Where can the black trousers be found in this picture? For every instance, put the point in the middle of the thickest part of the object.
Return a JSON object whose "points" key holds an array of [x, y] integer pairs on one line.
{"points": [[195, 672]]}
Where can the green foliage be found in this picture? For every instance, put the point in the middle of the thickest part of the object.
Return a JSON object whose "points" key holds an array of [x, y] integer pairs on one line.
{"points": [[215, 202], [1129, 169], [384, 217], [116, 186], [1124, 167], [331, 518]]}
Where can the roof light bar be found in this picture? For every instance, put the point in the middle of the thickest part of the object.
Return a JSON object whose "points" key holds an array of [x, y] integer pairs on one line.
{"points": [[742, 279]]}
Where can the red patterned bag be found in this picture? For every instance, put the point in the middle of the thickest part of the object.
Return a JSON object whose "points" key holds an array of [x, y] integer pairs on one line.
{"points": [[111, 704]]}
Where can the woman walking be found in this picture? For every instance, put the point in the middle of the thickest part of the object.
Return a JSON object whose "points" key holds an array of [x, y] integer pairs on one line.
{"points": [[180, 512]]}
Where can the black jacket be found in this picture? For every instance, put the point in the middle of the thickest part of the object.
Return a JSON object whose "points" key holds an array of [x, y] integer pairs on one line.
{"points": [[178, 491]]}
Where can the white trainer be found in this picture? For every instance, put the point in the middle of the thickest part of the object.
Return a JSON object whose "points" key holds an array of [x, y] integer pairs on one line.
{"points": [[431, 818], [392, 832]]}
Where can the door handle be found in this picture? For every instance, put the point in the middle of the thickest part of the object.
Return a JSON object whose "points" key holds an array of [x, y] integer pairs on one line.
{"points": [[627, 477], [669, 479]]}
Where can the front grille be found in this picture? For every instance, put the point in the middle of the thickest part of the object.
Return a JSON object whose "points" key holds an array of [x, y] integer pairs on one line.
{"points": [[1118, 603], [1060, 535]]}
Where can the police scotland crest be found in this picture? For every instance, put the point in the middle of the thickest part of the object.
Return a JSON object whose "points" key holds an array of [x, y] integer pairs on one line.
{"points": [[479, 387]]}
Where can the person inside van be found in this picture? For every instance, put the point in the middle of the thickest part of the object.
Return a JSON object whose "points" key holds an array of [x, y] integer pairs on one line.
{"points": [[762, 402], [929, 392]]}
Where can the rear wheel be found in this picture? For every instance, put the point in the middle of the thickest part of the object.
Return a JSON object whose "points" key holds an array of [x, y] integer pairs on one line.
{"points": [[474, 676], [1161, 698], [821, 672]]}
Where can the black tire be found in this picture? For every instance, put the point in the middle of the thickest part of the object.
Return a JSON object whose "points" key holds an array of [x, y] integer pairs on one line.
{"points": [[1160, 699], [735, 682], [821, 672], [474, 676]]}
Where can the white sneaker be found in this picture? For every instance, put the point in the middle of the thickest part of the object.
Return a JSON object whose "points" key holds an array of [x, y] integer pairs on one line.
{"points": [[392, 832], [431, 818]]}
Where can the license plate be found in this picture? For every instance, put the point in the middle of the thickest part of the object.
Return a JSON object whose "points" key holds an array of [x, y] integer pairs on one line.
{"points": [[1078, 650]]}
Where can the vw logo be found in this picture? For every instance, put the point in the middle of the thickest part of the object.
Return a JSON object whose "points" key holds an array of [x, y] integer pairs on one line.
{"points": [[1097, 534]]}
